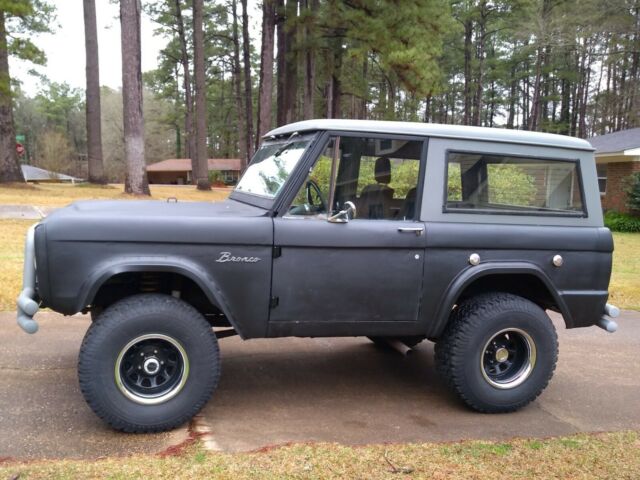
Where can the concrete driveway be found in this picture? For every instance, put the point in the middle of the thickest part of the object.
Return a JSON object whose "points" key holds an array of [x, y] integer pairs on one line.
{"points": [[291, 390]]}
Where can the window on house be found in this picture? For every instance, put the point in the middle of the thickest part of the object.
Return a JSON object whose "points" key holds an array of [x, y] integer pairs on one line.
{"points": [[602, 178]]}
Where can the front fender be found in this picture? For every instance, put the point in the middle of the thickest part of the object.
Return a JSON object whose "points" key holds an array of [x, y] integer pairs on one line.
{"points": [[179, 266], [473, 273]]}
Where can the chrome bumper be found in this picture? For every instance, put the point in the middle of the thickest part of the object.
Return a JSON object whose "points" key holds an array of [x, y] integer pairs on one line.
{"points": [[27, 306]]}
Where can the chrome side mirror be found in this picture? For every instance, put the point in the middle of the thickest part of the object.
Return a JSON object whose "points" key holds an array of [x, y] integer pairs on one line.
{"points": [[343, 216]]}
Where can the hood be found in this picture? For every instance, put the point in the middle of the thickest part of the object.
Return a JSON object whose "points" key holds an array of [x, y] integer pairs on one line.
{"points": [[153, 221]]}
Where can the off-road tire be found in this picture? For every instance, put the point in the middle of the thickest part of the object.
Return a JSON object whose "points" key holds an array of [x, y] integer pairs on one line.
{"points": [[472, 325], [129, 319]]}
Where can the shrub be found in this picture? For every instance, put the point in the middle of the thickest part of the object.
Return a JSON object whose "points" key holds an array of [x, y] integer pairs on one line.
{"points": [[622, 222], [633, 192]]}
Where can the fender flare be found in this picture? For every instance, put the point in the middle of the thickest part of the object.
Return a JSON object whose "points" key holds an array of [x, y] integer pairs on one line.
{"points": [[187, 269], [471, 274]]}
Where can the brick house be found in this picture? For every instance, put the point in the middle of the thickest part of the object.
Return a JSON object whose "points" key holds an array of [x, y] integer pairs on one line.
{"points": [[617, 157], [177, 171]]}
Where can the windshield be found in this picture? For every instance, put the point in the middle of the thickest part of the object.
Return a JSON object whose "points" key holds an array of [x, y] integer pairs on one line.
{"points": [[271, 167]]}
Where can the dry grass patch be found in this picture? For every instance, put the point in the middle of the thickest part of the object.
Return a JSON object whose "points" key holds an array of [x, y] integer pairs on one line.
{"points": [[625, 280], [610, 455], [59, 195], [12, 234]]}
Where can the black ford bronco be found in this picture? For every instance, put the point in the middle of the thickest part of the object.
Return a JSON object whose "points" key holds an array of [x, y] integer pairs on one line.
{"points": [[395, 231]]}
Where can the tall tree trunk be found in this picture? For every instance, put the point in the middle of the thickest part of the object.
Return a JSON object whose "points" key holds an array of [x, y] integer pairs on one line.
{"points": [[248, 105], [535, 101], [309, 65], [201, 172], [190, 140], [94, 127], [10, 170], [468, 34], [133, 121], [280, 64], [237, 83], [291, 64], [265, 94]]}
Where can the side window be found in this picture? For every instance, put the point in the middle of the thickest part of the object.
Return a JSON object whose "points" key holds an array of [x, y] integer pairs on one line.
{"points": [[380, 176], [312, 199], [504, 184]]}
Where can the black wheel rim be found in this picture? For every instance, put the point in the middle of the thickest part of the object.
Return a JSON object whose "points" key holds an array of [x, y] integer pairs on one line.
{"points": [[151, 369], [508, 358]]}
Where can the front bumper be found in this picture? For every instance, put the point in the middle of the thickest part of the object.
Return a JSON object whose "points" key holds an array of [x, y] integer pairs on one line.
{"points": [[26, 303]]}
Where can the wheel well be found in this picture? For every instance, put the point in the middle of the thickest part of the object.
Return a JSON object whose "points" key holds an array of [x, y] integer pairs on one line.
{"points": [[524, 285], [177, 285]]}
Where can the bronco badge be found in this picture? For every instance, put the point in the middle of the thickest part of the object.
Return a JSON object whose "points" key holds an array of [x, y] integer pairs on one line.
{"points": [[227, 257]]}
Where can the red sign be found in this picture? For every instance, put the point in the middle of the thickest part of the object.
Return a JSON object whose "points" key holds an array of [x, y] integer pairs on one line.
{"points": [[20, 149]]}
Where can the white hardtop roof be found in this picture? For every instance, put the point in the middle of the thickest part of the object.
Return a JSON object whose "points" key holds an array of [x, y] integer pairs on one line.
{"points": [[436, 130]]}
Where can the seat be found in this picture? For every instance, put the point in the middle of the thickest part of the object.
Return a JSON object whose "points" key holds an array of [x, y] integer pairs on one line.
{"points": [[409, 207], [376, 199]]}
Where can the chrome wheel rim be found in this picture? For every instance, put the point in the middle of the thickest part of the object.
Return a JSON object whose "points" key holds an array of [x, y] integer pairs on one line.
{"points": [[151, 369], [508, 358]]}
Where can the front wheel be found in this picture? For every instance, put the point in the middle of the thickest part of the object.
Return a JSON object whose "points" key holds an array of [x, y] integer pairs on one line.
{"points": [[148, 363], [498, 352]]}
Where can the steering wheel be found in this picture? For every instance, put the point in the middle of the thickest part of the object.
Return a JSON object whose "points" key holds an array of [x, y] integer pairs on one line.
{"points": [[319, 204]]}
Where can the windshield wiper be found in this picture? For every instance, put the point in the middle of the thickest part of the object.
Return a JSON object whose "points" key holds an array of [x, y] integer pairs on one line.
{"points": [[287, 145]]}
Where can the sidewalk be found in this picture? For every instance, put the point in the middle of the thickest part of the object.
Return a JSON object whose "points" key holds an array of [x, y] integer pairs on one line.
{"points": [[24, 212]]}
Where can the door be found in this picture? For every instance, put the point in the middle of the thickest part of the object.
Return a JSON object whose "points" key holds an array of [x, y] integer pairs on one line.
{"points": [[364, 276]]}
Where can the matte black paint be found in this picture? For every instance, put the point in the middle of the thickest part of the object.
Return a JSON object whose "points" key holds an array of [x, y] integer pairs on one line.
{"points": [[360, 278]]}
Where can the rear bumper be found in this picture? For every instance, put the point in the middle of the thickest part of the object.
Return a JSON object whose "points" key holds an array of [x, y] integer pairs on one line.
{"points": [[27, 305]]}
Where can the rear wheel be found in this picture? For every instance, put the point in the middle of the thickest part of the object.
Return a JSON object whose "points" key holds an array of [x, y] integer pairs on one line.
{"points": [[148, 363], [498, 352]]}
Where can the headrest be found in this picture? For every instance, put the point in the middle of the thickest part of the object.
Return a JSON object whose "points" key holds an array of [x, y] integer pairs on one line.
{"points": [[383, 170]]}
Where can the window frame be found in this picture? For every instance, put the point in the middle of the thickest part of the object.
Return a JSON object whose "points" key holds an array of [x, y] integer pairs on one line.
{"points": [[525, 211], [322, 142], [605, 177]]}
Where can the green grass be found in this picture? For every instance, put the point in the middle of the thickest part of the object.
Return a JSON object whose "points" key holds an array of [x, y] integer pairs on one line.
{"points": [[607, 455], [625, 279]]}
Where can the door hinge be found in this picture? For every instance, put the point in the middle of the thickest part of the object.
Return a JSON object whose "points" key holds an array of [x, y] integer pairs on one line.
{"points": [[277, 252], [273, 303]]}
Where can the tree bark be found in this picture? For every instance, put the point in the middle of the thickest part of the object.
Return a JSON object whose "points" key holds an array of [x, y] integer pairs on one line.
{"points": [[291, 64], [265, 94], [280, 64], [10, 170], [248, 105], [468, 33], [190, 139], [237, 84], [310, 67], [201, 172], [133, 121], [93, 110]]}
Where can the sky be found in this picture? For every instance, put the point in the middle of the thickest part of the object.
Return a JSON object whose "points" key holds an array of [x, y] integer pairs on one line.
{"points": [[65, 47]]}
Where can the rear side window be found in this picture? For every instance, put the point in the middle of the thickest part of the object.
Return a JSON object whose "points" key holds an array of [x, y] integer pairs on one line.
{"points": [[489, 183]]}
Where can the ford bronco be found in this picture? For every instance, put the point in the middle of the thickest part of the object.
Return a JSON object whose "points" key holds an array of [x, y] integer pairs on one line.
{"points": [[394, 231]]}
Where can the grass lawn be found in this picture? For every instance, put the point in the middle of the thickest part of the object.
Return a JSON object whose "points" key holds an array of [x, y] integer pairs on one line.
{"points": [[607, 455], [59, 195]]}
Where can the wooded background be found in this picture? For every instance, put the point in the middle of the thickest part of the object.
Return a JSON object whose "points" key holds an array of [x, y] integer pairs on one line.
{"points": [[563, 66]]}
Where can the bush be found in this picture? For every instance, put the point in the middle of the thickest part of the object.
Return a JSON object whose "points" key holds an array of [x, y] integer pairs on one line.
{"points": [[622, 222], [633, 192]]}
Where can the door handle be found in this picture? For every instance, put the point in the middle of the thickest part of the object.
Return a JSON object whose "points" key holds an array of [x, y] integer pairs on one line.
{"points": [[415, 230]]}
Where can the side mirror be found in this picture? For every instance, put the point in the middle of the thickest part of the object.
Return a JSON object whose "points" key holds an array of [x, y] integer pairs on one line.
{"points": [[343, 216]]}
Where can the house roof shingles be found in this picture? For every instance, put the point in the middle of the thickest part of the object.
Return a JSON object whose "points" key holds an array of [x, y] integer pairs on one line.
{"points": [[616, 141], [184, 165]]}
